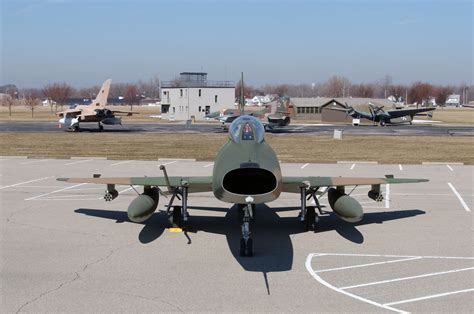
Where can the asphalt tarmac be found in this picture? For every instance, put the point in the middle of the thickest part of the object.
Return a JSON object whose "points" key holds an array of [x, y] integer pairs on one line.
{"points": [[316, 129], [63, 249]]}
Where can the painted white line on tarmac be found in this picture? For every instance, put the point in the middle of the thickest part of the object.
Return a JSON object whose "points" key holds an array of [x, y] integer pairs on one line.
{"points": [[77, 162], [169, 163], [387, 255], [406, 278], [304, 166], [352, 167], [128, 189], [429, 297], [459, 197], [122, 162], [17, 184], [449, 167], [56, 191], [370, 264], [400, 166], [34, 161], [208, 165], [325, 283], [387, 196]]}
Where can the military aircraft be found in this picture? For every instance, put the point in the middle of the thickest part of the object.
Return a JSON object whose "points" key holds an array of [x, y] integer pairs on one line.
{"points": [[273, 115], [94, 112], [246, 172], [378, 115]]}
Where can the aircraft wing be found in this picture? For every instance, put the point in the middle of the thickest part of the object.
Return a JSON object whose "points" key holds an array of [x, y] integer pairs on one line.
{"points": [[195, 184], [292, 184], [407, 112], [123, 113]]}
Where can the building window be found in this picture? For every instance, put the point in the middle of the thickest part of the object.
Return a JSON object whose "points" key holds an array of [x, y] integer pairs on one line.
{"points": [[181, 92], [299, 110], [199, 109], [199, 96], [215, 98]]}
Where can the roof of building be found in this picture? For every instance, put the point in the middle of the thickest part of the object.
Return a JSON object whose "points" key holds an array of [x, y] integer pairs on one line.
{"points": [[309, 102], [324, 101]]}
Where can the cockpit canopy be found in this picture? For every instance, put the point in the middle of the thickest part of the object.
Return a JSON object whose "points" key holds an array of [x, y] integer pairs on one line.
{"points": [[246, 128]]}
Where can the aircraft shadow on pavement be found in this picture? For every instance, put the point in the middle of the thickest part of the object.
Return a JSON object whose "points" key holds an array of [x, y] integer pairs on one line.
{"points": [[273, 250]]}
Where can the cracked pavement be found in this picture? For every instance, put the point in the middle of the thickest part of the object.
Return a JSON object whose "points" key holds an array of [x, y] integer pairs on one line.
{"points": [[69, 251]]}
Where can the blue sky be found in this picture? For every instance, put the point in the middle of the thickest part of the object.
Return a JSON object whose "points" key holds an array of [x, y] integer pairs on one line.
{"points": [[85, 42]]}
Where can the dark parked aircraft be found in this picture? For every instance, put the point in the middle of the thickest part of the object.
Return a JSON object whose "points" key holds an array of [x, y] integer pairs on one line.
{"points": [[378, 115]]}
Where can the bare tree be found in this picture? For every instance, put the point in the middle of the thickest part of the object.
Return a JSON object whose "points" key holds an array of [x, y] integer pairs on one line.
{"points": [[441, 93], [58, 92], [249, 91], [397, 91], [386, 83], [31, 99], [8, 101], [131, 96], [337, 86], [117, 89], [150, 88], [362, 90], [49, 91], [419, 92]]}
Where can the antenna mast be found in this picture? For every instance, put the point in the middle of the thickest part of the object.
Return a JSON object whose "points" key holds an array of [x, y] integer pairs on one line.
{"points": [[242, 97]]}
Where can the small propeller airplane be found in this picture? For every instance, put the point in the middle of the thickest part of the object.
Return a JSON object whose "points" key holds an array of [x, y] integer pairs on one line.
{"points": [[94, 112], [246, 172], [378, 115]]}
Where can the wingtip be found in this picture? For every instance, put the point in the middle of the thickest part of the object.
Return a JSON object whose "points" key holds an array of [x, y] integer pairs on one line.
{"points": [[62, 179]]}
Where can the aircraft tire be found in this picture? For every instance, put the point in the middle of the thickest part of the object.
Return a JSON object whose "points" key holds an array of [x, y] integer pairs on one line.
{"points": [[246, 249], [249, 248], [310, 221], [242, 247], [175, 218]]}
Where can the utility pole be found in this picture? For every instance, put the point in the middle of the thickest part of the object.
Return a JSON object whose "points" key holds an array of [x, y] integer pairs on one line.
{"points": [[242, 97]]}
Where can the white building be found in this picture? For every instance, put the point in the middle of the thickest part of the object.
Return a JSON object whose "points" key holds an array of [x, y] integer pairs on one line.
{"points": [[193, 96], [453, 100]]}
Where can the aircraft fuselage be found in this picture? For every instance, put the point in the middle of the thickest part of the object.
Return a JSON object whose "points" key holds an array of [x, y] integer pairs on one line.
{"points": [[246, 168]]}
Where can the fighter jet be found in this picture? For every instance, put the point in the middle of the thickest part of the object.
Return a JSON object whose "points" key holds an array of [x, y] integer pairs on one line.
{"points": [[246, 172], [94, 112], [378, 115], [273, 115]]}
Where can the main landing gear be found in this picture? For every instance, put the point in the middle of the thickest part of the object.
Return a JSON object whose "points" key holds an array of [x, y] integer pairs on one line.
{"points": [[246, 212], [178, 217], [101, 127], [308, 214]]}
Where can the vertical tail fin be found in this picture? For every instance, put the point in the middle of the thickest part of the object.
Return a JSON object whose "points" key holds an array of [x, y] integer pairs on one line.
{"points": [[101, 98]]}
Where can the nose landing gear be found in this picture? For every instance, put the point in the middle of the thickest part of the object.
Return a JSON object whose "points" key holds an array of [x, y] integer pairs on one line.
{"points": [[246, 243]]}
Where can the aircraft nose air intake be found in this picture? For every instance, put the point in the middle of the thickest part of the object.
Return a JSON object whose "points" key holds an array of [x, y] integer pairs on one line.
{"points": [[249, 181]]}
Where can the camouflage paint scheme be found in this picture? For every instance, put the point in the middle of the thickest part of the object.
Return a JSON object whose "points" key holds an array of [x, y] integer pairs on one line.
{"points": [[250, 154]]}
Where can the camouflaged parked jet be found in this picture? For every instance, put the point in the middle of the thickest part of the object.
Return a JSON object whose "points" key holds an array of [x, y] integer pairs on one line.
{"points": [[94, 112], [246, 172]]}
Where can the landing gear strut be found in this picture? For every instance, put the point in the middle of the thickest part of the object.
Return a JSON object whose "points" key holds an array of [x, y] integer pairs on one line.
{"points": [[308, 214], [178, 217], [246, 243], [101, 127]]}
